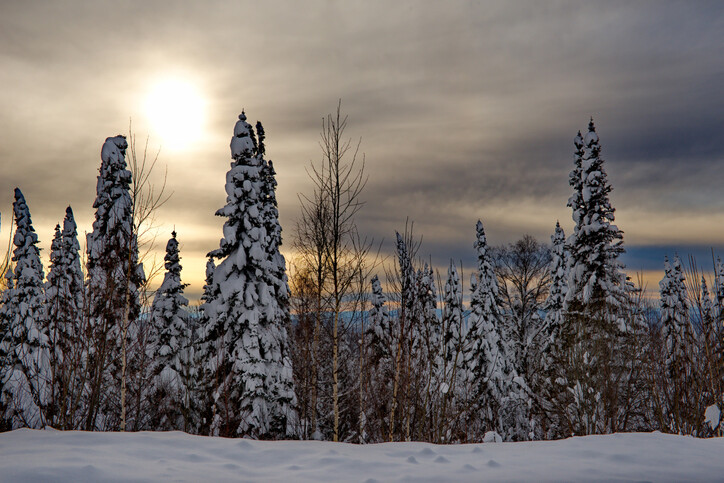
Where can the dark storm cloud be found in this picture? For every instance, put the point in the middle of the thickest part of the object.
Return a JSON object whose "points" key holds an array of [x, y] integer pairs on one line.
{"points": [[651, 257], [466, 110]]}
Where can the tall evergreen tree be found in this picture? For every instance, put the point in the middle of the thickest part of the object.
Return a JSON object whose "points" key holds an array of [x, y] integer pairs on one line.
{"points": [[209, 351], [25, 373], [555, 302], [65, 313], [553, 357], [451, 366], [719, 297], [382, 341], [408, 322], [594, 331], [595, 271], [426, 335], [498, 386], [170, 344], [114, 278], [676, 327], [680, 346], [255, 394], [711, 363]]}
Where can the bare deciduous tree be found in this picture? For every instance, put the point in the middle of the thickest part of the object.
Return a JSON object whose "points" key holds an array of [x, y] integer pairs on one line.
{"points": [[329, 243]]}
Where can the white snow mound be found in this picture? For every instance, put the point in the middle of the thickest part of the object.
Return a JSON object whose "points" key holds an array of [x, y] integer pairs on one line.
{"points": [[33, 455]]}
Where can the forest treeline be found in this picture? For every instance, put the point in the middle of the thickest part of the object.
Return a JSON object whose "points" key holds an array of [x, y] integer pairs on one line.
{"points": [[548, 340]]}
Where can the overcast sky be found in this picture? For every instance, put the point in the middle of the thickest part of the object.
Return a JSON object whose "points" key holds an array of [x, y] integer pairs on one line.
{"points": [[466, 111]]}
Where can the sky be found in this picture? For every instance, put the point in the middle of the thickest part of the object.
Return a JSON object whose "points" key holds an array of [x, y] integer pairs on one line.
{"points": [[464, 110]]}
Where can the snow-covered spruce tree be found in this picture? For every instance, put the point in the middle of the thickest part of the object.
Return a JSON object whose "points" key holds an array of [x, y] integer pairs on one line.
{"points": [[407, 319], [680, 345], [451, 367], [25, 373], [170, 345], [719, 291], [209, 351], [65, 314], [382, 347], [114, 278], [255, 394], [719, 311], [425, 335], [595, 272], [711, 365], [597, 293], [499, 395], [555, 302], [553, 358]]}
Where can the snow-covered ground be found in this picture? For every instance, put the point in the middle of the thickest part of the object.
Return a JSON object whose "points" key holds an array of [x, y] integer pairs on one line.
{"points": [[29, 456]]}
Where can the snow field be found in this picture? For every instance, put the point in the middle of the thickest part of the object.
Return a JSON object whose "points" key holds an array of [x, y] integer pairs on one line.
{"points": [[34, 455]]}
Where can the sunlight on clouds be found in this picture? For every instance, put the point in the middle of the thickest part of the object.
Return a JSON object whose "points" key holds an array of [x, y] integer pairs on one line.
{"points": [[175, 109]]}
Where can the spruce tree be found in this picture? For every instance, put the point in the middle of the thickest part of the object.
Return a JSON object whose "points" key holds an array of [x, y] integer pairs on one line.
{"points": [[170, 343], [711, 363], [719, 297], [680, 345], [209, 351], [65, 313], [497, 386], [595, 271], [254, 396], [553, 356], [426, 334], [451, 366], [382, 342], [555, 301], [676, 329], [114, 278], [25, 373], [408, 323], [594, 331], [675, 324]]}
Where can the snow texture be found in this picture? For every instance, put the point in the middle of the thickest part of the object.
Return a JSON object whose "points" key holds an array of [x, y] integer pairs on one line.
{"points": [[34, 455]]}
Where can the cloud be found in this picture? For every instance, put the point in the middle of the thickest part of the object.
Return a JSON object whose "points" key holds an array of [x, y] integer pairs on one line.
{"points": [[465, 110]]}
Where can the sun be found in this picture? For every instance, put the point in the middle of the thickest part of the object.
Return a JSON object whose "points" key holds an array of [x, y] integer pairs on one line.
{"points": [[175, 110]]}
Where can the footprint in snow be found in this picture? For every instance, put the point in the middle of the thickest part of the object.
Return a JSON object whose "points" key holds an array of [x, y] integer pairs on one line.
{"points": [[493, 464], [477, 449], [427, 452], [411, 459], [441, 459]]}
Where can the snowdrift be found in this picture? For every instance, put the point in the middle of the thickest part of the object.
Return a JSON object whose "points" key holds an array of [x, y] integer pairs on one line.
{"points": [[31, 455]]}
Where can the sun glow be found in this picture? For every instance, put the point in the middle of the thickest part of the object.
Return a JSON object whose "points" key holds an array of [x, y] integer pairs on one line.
{"points": [[175, 110]]}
